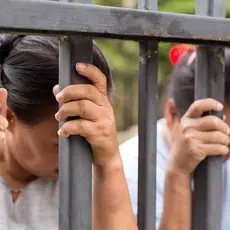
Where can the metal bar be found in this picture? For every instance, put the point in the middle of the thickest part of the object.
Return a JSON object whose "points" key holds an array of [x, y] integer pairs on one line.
{"points": [[110, 22], [148, 73], [75, 196], [209, 82]]}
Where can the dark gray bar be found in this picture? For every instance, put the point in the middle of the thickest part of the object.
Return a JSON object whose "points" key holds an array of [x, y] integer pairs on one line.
{"points": [[209, 82], [58, 18], [147, 127], [75, 197]]}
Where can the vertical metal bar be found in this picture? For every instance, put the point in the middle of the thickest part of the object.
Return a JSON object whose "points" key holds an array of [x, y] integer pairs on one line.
{"points": [[148, 72], [75, 160], [209, 82]]}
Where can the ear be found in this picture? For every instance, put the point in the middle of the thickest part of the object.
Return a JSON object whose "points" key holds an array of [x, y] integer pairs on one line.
{"points": [[5, 111], [170, 114]]}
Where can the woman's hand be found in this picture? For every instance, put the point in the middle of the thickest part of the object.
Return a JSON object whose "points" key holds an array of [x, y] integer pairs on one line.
{"points": [[97, 123], [198, 137]]}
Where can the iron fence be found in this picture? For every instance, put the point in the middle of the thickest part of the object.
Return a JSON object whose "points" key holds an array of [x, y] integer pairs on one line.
{"points": [[76, 23]]}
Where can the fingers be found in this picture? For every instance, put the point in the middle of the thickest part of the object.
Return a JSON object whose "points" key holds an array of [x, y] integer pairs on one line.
{"points": [[56, 90], [80, 92], [205, 105], [207, 123], [94, 75], [80, 127], [212, 137], [214, 149], [83, 108]]}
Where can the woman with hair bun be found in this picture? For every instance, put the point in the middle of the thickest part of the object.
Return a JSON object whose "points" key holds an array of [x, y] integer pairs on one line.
{"points": [[184, 139], [29, 115]]}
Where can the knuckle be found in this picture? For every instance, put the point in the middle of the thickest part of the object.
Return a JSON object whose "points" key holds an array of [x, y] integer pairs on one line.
{"points": [[62, 110], [184, 125], [96, 68], [197, 108], [225, 150], [66, 94], [82, 108], [104, 81], [227, 140], [215, 136], [78, 126], [65, 130], [90, 90], [188, 137], [215, 121], [105, 127], [199, 153], [196, 104]]}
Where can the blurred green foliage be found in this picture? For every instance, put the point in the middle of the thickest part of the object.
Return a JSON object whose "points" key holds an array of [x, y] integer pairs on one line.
{"points": [[123, 58]]}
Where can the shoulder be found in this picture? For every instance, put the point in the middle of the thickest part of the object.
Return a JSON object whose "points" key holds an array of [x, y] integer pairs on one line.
{"points": [[129, 149]]}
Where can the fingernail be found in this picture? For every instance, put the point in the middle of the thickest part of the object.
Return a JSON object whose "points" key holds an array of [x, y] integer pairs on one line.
{"points": [[56, 87], [57, 116], [62, 133], [220, 106], [59, 96], [59, 132], [81, 66]]}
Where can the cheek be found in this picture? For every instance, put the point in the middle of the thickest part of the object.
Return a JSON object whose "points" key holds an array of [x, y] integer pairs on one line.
{"points": [[36, 154]]}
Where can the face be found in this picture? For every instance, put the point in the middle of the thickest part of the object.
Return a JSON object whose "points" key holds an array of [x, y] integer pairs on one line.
{"points": [[35, 148]]}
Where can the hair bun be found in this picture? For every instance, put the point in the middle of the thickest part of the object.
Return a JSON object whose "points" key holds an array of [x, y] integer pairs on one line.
{"points": [[178, 51], [7, 41]]}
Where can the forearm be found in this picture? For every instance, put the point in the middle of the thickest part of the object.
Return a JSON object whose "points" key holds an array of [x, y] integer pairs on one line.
{"points": [[111, 203], [177, 208]]}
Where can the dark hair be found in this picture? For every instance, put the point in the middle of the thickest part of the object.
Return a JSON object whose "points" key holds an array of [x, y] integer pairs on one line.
{"points": [[29, 71], [182, 80]]}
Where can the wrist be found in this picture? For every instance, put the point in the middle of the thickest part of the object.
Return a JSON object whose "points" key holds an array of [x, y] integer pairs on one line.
{"points": [[179, 177], [109, 167]]}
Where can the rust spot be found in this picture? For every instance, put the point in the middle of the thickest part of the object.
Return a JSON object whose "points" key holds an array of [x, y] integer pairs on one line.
{"points": [[158, 31], [225, 38], [146, 57]]}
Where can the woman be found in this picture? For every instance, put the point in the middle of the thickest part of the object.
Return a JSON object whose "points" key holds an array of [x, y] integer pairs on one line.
{"points": [[29, 141], [184, 139]]}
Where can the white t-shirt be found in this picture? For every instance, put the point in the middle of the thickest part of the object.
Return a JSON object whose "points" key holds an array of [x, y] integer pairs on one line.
{"points": [[35, 209]]}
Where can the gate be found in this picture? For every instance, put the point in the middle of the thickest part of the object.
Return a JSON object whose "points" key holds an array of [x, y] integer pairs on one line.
{"points": [[76, 22]]}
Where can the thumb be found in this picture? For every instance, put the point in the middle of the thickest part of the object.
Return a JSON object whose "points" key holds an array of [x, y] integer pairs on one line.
{"points": [[3, 107], [3, 127], [3, 99]]}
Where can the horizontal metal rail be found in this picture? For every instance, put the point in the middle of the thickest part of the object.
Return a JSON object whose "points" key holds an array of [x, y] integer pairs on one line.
{"points": [[59, 18]]}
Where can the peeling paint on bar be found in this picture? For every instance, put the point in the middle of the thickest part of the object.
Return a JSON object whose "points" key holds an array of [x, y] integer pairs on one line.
{"points": [[110, 22]]}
